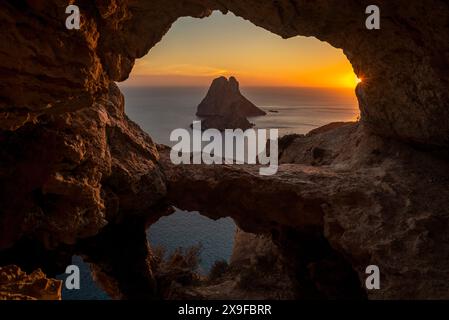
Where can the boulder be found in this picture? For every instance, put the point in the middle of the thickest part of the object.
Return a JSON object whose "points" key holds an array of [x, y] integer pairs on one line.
{"points": [[15, 284]]}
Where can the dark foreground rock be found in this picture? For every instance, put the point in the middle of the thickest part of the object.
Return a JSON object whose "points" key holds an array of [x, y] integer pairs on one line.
{"points": [[77, 176], [256, 272], [16, 284], [327, 213]]}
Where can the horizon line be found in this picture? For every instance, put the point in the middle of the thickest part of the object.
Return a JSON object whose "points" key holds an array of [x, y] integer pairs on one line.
{"points": [[120, 84]]}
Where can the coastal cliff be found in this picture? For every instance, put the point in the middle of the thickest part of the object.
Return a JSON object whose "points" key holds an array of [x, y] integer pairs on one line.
{"points": [[78, 177]]}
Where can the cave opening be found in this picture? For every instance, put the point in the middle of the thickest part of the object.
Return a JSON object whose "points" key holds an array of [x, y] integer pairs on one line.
{"points": [[301, 83], [166, 86], [100, 169], [184, 229]]}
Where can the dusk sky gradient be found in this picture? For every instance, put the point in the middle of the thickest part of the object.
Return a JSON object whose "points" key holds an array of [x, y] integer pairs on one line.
{"points": [[195, 51]]}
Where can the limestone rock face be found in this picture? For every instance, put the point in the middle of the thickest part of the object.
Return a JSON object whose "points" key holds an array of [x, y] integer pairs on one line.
{"points": [[256, 272], [72, 164], [224, 98], [362, 200], [402, 96], [68, 175], [17, 285]]}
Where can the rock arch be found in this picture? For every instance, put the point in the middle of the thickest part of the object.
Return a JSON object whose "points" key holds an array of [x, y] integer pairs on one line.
{"points": [[395, 101], [72, 163]]}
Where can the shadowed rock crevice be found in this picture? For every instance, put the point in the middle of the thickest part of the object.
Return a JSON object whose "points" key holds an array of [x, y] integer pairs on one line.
{"points": [[318, 271], [403, 65], [73, 166], [121, 260], [340, 207]]}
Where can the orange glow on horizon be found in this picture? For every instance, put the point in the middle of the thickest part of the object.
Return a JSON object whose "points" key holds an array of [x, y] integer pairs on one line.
{"points": [[195, 51]]}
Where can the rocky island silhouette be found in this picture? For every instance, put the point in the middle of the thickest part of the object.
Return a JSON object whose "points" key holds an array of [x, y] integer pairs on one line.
{"points": [[225, 107]]}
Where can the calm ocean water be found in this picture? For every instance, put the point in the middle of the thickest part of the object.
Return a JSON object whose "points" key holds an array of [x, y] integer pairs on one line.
{"points": [[297, 110], [160, 110]]}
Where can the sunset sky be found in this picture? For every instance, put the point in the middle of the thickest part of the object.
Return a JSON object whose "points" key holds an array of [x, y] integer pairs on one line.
{"points": [[195, 51]]}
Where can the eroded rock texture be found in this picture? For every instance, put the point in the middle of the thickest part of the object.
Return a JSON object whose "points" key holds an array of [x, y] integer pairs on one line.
{"points": [[256, 271], [72, 166], [17, 285], [361, 200], [404, 65]]}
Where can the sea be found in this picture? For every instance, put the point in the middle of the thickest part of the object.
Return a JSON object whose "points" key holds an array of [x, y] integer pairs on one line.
{"points": [[159, 110]]}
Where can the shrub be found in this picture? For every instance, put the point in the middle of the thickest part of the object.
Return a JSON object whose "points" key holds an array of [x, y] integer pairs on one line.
{"points": [[178, 269], [185, 258], [219, 268]]}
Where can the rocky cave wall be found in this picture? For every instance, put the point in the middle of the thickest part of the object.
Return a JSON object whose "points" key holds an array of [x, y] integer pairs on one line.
{"points": [[404, 65], [73, 166]]}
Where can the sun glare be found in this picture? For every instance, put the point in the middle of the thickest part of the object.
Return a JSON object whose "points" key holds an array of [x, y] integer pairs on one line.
{"points": [[194, 51]]}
